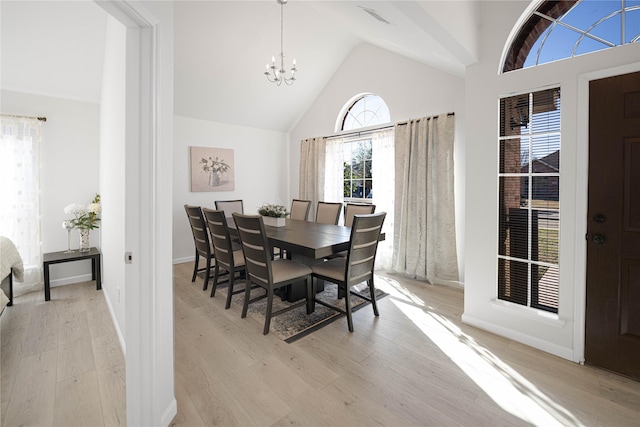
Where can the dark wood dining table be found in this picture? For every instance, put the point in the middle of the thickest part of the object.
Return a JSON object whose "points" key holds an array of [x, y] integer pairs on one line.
{"points": [[307, 242]]}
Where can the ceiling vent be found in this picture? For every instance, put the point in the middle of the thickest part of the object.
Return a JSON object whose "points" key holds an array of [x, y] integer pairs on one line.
{"points": [[374, 14]]}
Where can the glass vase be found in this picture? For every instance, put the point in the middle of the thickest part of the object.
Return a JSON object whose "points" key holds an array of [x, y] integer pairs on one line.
{"points": [[214, 179], [84, 240]]}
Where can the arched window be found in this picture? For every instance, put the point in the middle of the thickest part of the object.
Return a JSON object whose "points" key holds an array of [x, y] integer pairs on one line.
{"points": [[357, 154], [564, 29], [363, 111]]}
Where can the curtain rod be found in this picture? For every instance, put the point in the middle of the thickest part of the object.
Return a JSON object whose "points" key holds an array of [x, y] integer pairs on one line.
{"points": [[431, 117], [375, 129], [42, 119], [360, 132]]}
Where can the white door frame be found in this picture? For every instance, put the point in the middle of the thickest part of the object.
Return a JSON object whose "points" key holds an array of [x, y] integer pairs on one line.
{"points": [[150, 397]]}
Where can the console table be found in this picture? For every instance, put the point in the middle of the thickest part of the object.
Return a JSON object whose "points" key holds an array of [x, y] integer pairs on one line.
{"points": [[59, 257]]}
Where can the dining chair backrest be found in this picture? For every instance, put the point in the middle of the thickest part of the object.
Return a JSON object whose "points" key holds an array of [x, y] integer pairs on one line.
{"points": [[255, 246], [229, 207], [300, 209], [328, 212], [365, 233], [352, 209], [199, 230], [220, 238]]}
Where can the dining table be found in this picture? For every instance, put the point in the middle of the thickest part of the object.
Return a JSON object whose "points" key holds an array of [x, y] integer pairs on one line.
{"points": [[307, 243]]}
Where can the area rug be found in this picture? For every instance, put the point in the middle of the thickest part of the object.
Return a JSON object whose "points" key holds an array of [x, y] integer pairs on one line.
{"points": [[295, 324]]}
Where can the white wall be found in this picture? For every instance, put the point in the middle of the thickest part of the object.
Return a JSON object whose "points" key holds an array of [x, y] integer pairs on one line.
{"points": [[261, 172], [409, 88], [69, 168], [563, 334], [112, 176]]}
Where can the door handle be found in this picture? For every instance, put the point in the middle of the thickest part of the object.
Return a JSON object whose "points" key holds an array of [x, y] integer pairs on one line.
{"points": [[599, 239]]}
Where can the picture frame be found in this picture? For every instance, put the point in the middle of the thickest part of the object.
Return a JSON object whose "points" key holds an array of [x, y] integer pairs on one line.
{"points": [[212, 169]]}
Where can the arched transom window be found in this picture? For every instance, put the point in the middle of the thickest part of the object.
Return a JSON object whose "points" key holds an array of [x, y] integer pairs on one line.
{"points": [[363, 111], [564, 29]]}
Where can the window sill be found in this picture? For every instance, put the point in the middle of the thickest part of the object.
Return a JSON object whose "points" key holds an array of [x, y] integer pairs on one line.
{"points": [[529, 313]]}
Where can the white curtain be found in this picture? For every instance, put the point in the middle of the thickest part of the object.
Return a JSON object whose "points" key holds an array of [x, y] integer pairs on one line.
{"points": [[383, 172], [20, 193], [334, 175], [424, 235], [312, 171]]}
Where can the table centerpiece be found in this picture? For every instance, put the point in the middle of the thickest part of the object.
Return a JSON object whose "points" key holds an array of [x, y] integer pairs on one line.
{"points": [[274, 215]]}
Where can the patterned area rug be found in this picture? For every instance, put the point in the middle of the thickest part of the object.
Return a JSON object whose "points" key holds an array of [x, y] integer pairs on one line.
{"points": [[295, 324]]}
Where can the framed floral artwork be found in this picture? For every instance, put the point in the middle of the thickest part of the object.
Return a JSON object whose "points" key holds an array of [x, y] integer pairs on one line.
{"points": [[212, 169]]}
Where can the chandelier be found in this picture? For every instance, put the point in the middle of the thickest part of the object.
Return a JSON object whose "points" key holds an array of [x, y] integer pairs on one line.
{"points": [[278, 75]]}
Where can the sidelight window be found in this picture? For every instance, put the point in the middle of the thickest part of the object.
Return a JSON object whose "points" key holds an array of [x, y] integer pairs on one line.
{"points": [[529, 199]]}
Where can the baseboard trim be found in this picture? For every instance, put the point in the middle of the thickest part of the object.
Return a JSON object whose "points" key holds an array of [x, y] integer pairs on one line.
{"points": [[169, 414], [564, 352], [70, 280], [183, 260]]}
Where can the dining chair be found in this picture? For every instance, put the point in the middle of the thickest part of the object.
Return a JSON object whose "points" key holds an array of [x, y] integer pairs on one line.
{"points": [[357, 267], [227, 258], [300, 209], [351, 209], [201, 241], [229, 207], [328, 212], [265, 273]]}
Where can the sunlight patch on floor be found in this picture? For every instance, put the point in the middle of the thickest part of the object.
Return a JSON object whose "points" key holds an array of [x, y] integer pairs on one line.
{"points": [[506, 387]]}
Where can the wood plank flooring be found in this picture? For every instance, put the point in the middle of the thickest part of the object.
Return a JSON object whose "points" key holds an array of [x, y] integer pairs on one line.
{"points": [[60, 361], [415, 365]]}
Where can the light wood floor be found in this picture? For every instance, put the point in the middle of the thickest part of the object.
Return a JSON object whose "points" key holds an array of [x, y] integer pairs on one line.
{"points": [[414, 365], [61, 361]]}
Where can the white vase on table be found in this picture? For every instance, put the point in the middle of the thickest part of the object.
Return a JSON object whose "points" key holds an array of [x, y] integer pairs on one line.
{"points": [[274, 222]]}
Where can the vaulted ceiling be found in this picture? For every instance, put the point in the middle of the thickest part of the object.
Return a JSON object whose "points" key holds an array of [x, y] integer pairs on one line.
{"points": [[221, 48]]}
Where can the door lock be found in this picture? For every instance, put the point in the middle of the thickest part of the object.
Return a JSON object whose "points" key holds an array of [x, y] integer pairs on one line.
{"points": [[599, 218], [599, 239]]}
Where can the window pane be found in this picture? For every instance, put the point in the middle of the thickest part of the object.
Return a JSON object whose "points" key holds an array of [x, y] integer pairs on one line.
{"points": [[512, 281], [532, 57], [367, 169], [514, 155], [631, 24], [368, 193], [589, 12], [558, 45], [610, 29], [545, 288], [545, 154], [588, 45], [547, 236], [546, 111], [513, 219], [514, 115], [369, 110], [544, 189]]}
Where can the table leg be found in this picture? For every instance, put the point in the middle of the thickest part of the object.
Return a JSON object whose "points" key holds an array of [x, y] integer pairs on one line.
{"points": [[98, 273], [47, 291], [297, 291]]}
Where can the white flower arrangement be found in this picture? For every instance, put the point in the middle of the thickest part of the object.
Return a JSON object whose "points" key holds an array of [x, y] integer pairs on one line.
{"points": [[86, 217], [213, 165], [274, 211]]}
